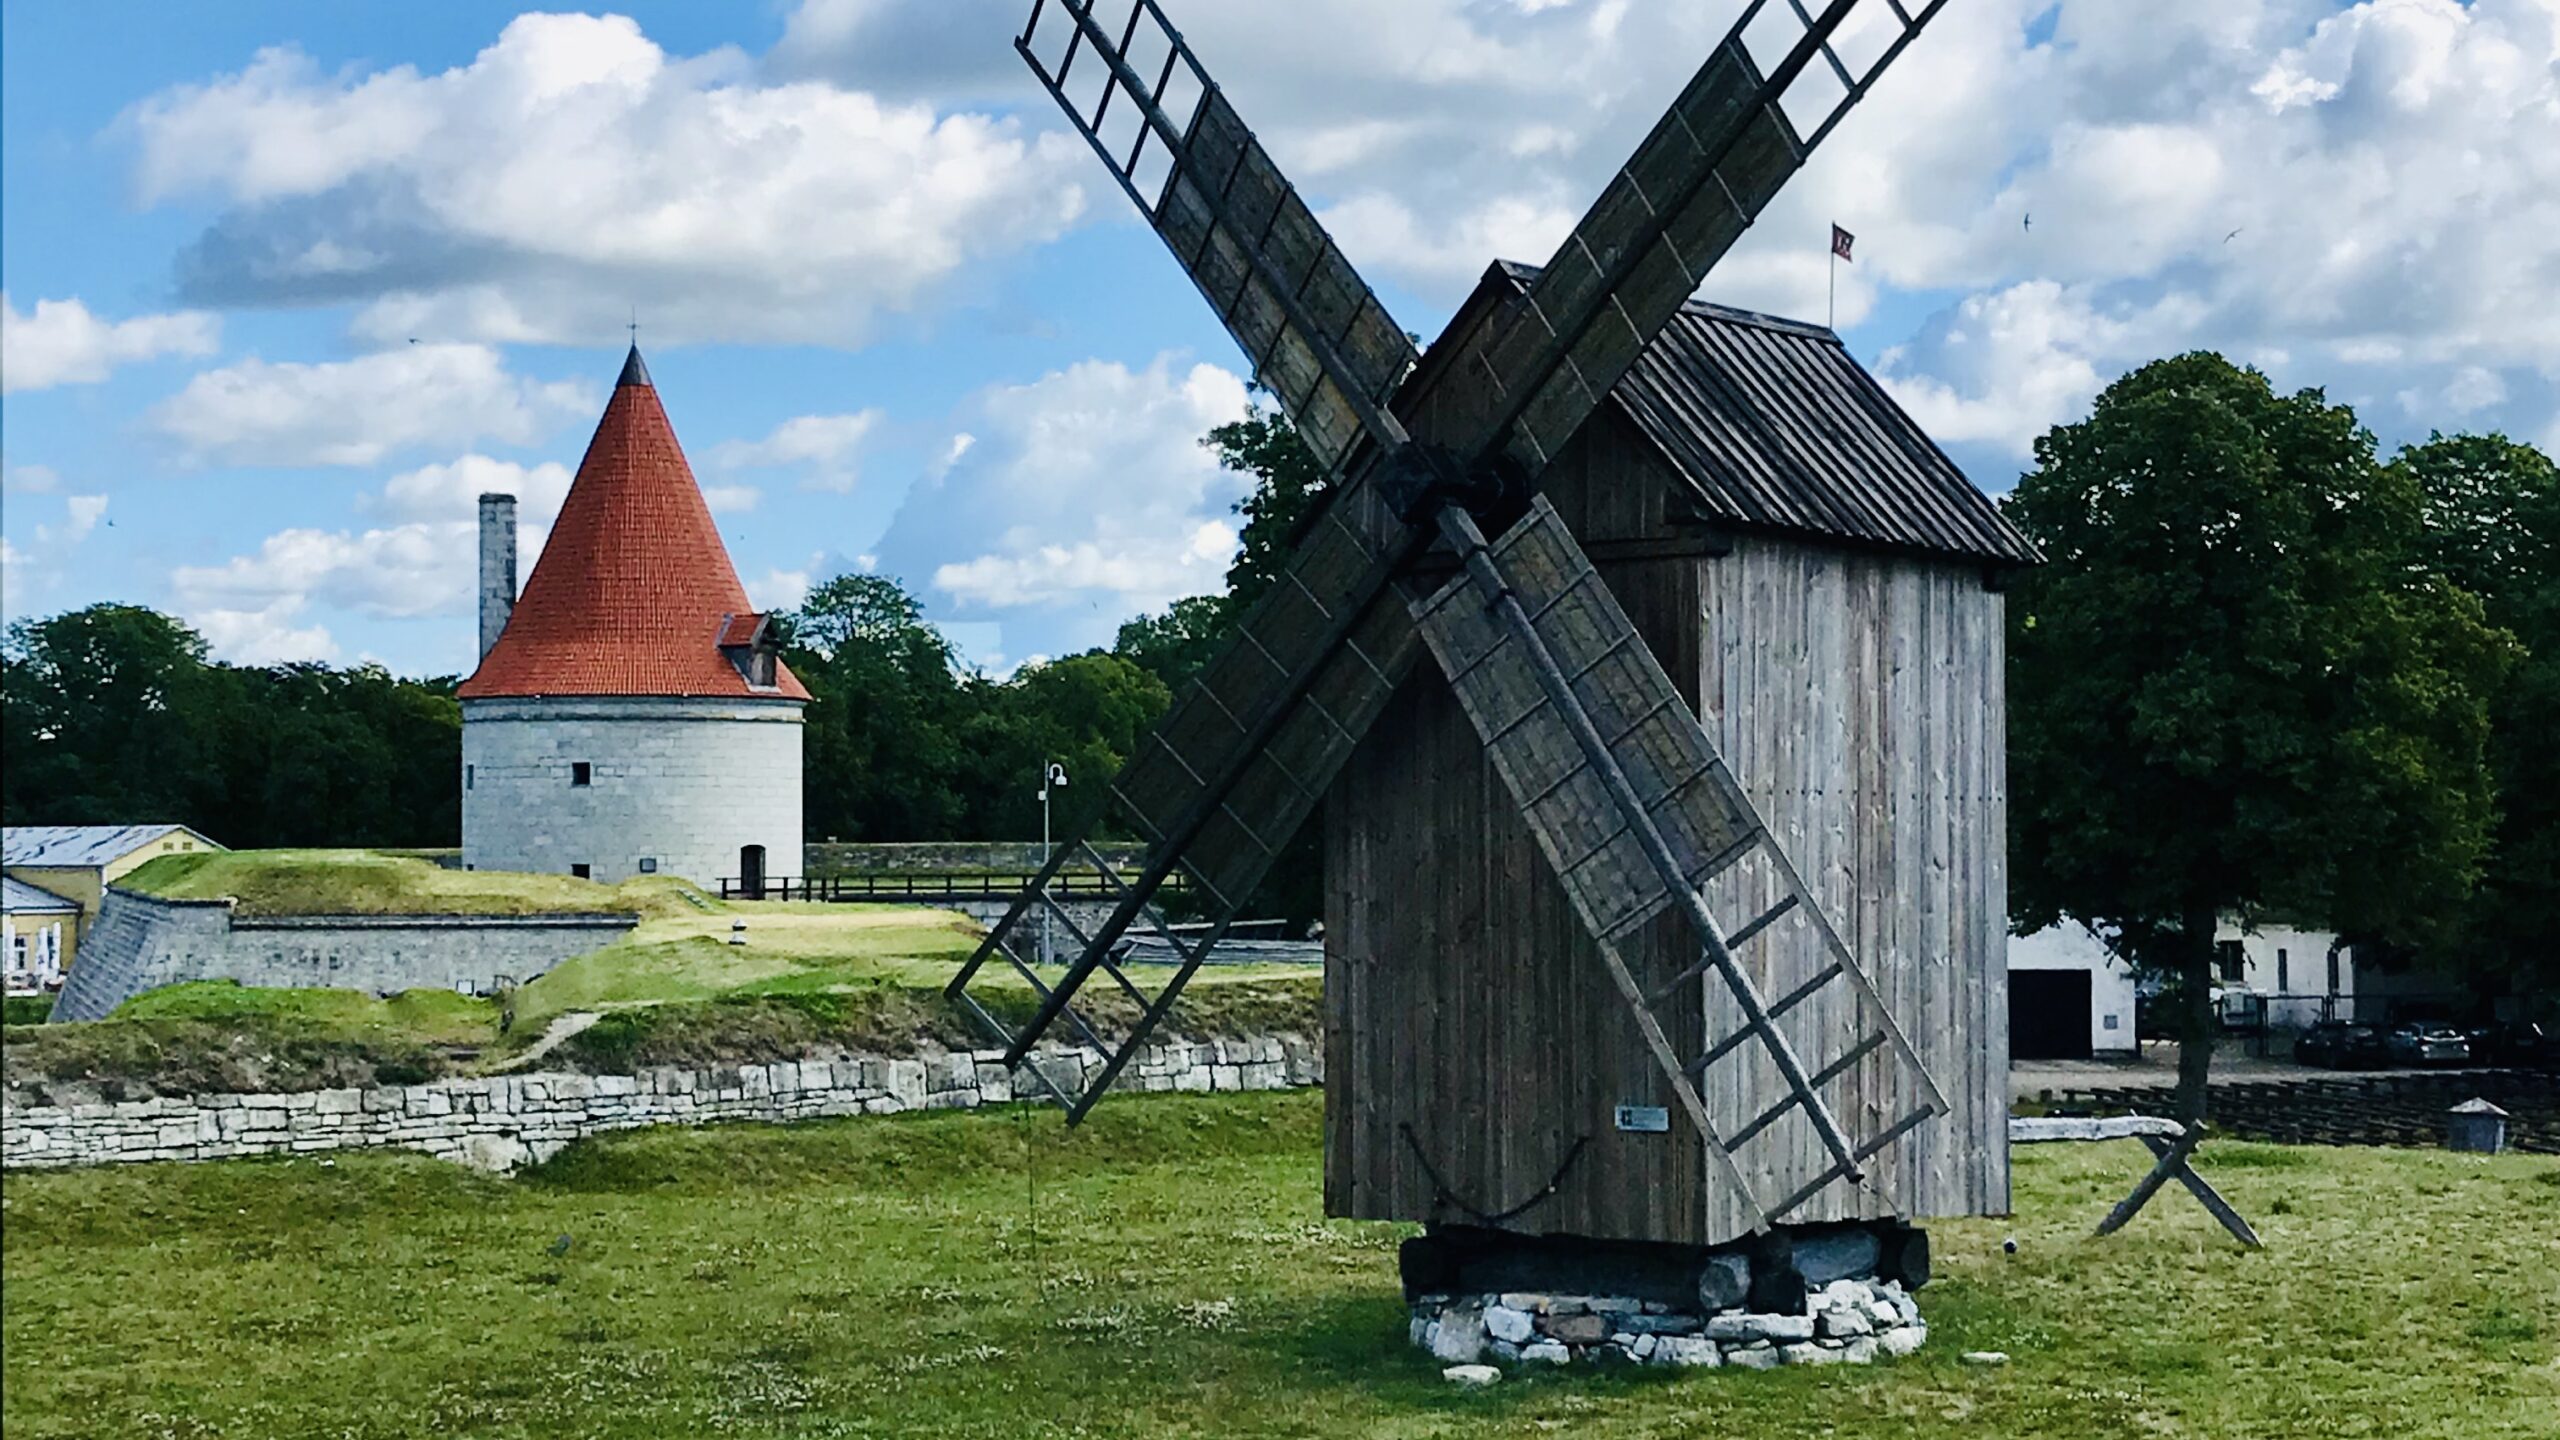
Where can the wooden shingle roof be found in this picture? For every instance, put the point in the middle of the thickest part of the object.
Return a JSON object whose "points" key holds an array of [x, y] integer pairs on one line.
{"points": [[634, 592], [1774, 426]]}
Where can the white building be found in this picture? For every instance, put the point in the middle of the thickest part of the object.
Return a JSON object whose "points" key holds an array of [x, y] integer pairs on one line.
{"points": [[2070, 997], [2302, 976], [630, 715], [2073, 997], [37, 932]]}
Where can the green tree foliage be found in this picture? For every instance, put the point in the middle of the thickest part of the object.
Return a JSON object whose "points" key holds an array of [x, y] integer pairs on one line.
{"points": [[881, 758], [1174, 645], [2492, 508], [1287, 484], [902, 746], [113, 714], [1085, 712], [2236, 686]]}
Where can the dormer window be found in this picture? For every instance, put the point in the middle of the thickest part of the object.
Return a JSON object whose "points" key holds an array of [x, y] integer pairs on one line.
{"points": [[750, 644]]}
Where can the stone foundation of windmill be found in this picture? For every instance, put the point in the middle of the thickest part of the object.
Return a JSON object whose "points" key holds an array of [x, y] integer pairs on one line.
{"points": [[1795, 1295], [1848, 1322]]}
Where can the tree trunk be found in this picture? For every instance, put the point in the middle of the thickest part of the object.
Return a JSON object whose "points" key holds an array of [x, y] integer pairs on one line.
{"points": [[2200, 1025]]}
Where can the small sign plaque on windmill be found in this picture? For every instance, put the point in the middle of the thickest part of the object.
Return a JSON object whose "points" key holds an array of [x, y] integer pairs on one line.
{"points": [[1614, 940]]}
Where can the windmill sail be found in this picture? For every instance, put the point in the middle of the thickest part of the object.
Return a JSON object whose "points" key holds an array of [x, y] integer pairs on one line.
{"points": [[1318, 338], [1226, 778], [1636, 812], [1697, 182]]}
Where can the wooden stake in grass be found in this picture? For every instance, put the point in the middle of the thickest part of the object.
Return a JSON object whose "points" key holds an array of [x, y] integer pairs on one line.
{"points": [[2172, 1156]]}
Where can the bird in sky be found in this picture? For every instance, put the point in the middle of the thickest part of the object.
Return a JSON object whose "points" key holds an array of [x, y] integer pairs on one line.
{"points": [[2028, 223], [2227, 239]]}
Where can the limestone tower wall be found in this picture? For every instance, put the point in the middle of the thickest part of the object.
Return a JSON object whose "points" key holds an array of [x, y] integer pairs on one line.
{"points": [[669, 786]]}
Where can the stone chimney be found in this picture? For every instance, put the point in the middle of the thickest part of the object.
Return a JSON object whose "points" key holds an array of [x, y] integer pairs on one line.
{"points": [[497, 567]]}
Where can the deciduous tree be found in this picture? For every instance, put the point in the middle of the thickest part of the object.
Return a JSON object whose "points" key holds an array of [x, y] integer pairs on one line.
{"points": [[2492, 510], [2236, 687]]}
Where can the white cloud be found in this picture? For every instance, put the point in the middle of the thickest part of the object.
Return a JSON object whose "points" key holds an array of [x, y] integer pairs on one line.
{"points": [[951, 453], [356, 412], [61, 343], [451, 491], [41, 570], [731, 499], [13, 578], [2364, 197], [422, 568], [265, 636], [2363, 211], [822, 447], [81, 514], [779, 589], [1999, 369], [573, 168], [2470, 389], [1048, 572], [422, 560], [1088, 488], [29, 479]]}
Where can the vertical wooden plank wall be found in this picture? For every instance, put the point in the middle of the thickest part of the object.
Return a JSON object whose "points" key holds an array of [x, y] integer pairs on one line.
{"points": [[1858, 697]]}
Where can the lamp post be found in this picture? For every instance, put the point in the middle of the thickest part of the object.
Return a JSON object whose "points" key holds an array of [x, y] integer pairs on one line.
{"points": [[1053, 776]]}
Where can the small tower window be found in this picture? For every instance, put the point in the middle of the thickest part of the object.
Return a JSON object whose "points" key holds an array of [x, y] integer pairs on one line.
{"points": [[583, 872], [648, 864], [466, 776], [581, 773]]}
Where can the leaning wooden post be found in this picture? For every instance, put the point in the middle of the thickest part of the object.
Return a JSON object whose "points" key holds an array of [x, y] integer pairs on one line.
{"points": [[2171, 1161], [2210, 1198]]}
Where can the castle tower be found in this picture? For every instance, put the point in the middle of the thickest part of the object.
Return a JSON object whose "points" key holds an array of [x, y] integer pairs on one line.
{"points": [[631, 716]]}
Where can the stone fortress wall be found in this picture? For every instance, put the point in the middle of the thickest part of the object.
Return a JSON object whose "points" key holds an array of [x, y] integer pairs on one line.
{"points": [[505, 1121], [141, 942], [675, 786]]}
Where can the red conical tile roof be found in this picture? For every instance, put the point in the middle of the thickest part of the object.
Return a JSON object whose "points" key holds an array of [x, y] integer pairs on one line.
{"points": [[634, 591]]}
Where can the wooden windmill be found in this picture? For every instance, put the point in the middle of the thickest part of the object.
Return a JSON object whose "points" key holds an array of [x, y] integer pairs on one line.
{"points": [[1797, 1093]]}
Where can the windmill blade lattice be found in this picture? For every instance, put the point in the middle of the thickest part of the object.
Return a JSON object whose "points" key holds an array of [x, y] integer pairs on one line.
{"points": [[1697, 182], [1318, 338]]}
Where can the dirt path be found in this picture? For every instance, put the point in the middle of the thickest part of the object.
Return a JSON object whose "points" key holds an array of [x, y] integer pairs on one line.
{"points": [[553, 1035]]}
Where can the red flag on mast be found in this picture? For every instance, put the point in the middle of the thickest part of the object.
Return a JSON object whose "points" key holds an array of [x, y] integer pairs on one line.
{"points": [[1841, 240]]}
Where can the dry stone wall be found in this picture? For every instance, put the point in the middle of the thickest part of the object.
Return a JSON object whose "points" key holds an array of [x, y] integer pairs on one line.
{"points": [[503, 1122]]}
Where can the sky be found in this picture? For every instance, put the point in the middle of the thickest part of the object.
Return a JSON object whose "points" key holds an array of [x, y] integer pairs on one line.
{"points": [[287, 285]]}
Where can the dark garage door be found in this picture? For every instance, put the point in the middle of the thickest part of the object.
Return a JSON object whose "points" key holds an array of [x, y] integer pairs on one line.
{"points": [[2049, 1014]]}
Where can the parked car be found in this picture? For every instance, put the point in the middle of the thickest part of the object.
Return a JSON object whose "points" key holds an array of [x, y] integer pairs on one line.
{"points": [[2340, 1045], [2519, 1043], [2429, 1042]]}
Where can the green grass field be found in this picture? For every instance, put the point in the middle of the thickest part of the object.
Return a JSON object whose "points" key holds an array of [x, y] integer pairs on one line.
{"points": [[378, 882], [1164, 1271]]}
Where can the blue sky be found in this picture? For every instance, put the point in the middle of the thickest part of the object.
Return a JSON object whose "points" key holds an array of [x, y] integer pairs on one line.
{"points": [[288, 282]]}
